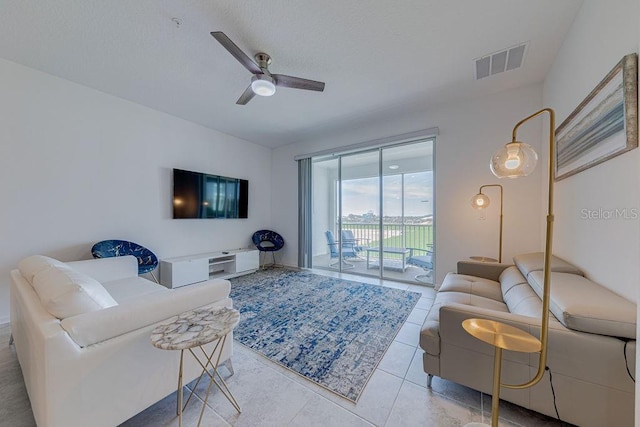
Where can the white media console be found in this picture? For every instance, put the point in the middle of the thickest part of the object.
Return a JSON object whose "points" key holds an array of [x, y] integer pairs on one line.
{"points": [[186, 270]]}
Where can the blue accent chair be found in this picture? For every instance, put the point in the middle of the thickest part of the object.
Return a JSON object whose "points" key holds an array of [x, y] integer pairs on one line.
{"points": [[267, 241], [348, 251], [147, 260], [422, 258]]}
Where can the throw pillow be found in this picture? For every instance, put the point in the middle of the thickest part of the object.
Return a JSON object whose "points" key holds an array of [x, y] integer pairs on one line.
{"points": [[65, 292]]}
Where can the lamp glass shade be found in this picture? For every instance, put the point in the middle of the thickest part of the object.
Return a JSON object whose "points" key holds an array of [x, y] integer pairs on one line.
{"points": [[514, 160], [480, 201], [263, 86]]}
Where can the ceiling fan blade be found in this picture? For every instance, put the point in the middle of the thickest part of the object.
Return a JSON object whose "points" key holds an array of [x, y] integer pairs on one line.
{"points": [[297, 82], [246, 96], [236, 52]]}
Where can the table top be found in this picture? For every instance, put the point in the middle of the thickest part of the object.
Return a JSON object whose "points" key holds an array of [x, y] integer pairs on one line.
{"points": [[390, 250], [195, 328], [501, 335]]}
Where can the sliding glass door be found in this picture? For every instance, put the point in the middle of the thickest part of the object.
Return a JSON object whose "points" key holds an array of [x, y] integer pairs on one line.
{"points": [[372, 212]]}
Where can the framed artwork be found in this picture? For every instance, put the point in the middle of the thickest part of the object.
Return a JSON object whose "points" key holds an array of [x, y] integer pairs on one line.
{"points": [[604, 125]]}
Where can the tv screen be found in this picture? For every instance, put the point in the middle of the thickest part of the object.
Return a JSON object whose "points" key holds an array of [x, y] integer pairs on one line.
{"points": [[200, 195]]}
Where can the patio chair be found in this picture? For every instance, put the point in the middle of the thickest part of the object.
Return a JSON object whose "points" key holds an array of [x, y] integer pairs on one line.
{"points": [[348, 251], [349, 238], [422, 258]]}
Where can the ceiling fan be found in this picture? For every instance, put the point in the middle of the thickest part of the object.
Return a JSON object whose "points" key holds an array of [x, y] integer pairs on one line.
{"points": [[263, 83]]}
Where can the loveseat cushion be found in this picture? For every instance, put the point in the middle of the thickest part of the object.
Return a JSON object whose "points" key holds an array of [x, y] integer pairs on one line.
{"points": [[131, 288], [429, 334], [65, 292], [518, 295], [471, 285], [534, 261], [33, 264], [583, 305]]}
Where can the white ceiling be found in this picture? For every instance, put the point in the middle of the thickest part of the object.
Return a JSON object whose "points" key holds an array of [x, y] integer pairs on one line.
{"points": [[377, 57]]}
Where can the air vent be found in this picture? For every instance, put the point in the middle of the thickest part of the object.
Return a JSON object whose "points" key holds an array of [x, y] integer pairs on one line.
{"points": [[501, 61]]}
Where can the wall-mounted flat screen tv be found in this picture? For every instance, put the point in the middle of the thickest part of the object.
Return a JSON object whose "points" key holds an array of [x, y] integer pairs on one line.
{"points": [[200, 195]]}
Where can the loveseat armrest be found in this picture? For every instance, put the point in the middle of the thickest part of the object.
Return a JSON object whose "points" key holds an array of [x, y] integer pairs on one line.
{"points": [[97, 326], [486, 270]]}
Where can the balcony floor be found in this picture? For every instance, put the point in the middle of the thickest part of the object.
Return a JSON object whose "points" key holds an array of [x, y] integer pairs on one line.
{"points": [[360, 268]]}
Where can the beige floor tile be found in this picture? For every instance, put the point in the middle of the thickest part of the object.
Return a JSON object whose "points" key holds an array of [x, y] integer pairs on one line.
{"points": [[425, 303], [321, 412], [517, 415], [448, 389], [417, 406], [416, 373], [163, 414], [397, 359], [265, 395], [409, 334], [377, 399], [417, 316]]}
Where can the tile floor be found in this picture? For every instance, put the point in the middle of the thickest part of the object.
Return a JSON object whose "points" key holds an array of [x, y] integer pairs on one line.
{"points": [[270, 395]]}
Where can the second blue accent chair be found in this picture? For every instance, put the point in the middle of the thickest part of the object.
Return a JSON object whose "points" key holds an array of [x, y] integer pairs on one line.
{"points": [[267, 241]]}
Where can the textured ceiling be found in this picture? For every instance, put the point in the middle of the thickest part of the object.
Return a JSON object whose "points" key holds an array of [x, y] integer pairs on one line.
{"points": [[377, 57]]}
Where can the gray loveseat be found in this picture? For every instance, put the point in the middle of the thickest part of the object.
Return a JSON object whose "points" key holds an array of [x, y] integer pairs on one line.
{"points": [[592, 339]]}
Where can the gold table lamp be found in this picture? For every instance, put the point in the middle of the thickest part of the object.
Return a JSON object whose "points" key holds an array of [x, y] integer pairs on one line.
{"points": [[481, 201], [514, 160]]}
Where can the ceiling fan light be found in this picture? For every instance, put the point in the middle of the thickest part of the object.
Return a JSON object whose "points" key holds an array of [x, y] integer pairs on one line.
{"points": [[263, 85]]}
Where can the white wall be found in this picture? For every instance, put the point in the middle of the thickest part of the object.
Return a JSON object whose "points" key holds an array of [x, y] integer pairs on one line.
{"points": [[606, 249], [78, 166], [470, 131]]}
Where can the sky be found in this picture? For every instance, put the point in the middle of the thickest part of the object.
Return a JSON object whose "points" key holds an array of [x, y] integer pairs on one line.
{"points": [[360, 196]]}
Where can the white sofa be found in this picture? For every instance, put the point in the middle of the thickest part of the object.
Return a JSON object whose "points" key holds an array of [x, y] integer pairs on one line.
{"points": [[91, 362]]}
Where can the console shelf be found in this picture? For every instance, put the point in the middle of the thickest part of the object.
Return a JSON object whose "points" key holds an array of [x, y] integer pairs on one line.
{"points": [[190, 269]]}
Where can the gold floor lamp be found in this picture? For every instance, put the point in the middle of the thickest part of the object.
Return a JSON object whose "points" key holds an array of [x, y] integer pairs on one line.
{"points": [[514, 160], [481, 201]]}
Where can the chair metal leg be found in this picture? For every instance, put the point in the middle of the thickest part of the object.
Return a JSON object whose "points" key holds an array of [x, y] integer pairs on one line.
{"points": [[345, 264]]}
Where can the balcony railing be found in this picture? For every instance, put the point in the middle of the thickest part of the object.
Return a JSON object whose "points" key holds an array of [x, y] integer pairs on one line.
{"points": [[394, 235]]}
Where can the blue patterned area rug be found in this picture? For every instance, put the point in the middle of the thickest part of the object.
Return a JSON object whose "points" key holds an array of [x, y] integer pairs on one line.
{"points": [[331, 331]]}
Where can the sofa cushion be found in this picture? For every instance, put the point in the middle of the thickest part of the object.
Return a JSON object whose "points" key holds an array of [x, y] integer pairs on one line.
{"points": [[472, 285], [123, 290], [534, 261], [582, 305], [30, 266], [65, 292]]}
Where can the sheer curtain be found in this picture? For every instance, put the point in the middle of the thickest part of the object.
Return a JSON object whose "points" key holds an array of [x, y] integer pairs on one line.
{"points": [[304, 212]]}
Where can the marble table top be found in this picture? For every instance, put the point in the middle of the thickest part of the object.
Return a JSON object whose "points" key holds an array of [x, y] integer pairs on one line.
{"points": [[194, 328]]}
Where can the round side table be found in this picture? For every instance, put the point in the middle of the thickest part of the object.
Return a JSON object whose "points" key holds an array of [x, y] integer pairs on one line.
{"points": [[194, 329], [502, 337]]}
